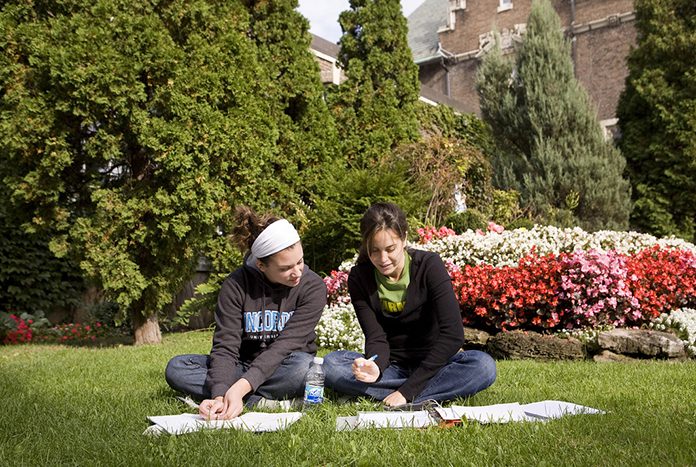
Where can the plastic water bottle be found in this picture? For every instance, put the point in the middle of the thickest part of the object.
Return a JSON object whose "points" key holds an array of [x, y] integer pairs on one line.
{"points": [[314, 384]]}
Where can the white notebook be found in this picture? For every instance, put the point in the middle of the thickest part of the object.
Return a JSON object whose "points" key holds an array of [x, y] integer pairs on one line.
{"points": [[250, 421], [515, 412]]}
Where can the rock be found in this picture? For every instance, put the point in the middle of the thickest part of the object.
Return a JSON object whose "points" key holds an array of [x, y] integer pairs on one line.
{"points": [[607, 356], [516, 345], [475, 338], [642, 342]]}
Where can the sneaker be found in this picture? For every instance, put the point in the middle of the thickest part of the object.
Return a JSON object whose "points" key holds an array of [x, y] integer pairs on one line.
{"points": [[413, 406], [271, 404]]}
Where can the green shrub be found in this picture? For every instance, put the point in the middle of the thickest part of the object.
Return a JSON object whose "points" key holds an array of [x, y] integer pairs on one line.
{"points": [[333, 225], [505, 206], [32, 279], [471, 219]]}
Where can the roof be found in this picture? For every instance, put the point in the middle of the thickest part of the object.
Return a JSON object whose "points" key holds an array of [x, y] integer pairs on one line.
{"points": [[324, 46], [423, 25]]}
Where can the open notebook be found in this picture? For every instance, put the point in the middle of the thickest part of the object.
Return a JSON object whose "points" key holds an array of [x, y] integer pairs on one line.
{"points": [[514, 412], [497, 413], [250, 421]]}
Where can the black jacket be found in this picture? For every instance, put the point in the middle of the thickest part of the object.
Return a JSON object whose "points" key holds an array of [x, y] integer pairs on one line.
{"points": [[262, 323], [425, 335]]}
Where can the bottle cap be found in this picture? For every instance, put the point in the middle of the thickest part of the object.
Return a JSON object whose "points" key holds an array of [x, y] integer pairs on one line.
{"points": [[318, 360]]}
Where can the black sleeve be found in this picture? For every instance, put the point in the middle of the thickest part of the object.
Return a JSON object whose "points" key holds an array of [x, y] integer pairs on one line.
{"points": [[227, 338]]}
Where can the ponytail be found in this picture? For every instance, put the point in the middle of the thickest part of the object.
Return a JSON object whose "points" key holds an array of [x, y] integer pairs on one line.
{"points": [[249, 226]]}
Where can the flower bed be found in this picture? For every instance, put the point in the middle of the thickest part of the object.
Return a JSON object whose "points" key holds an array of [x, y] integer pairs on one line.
{"points": [[545, 279], [17, 330], [25, 328], [74, 333]]}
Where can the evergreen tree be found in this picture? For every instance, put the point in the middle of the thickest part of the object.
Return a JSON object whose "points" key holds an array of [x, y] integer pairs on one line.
{"points": [[551, 146], [375, 111], [306, 144], [657, 117], [129, 129], [375, 106]]}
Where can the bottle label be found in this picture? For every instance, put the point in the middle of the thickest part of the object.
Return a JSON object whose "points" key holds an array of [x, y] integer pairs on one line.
{"points": [[313, 394]]}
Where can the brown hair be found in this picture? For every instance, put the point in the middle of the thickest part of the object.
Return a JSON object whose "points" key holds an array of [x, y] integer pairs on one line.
{"points": [[249, 226], [381, 216]]}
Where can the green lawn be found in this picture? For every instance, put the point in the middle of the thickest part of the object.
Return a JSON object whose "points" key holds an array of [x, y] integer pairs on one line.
{"points": [[87, 406]]}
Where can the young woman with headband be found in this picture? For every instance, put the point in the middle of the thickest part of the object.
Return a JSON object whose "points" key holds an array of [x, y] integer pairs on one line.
{"points": [[405, 304], [265, 317]]}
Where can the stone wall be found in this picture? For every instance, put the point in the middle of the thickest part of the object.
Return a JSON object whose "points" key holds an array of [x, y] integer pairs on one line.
{"points": [[434, 76], [615, 345], [462, 79]]}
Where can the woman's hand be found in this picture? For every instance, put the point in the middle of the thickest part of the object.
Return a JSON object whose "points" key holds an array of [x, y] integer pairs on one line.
{"points": [[228, 407], [211, 409], [234, 398], [234, 404], [394, 399], [364, 370]]}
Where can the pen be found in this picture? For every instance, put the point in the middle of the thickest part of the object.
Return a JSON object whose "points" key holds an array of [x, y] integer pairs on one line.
{"points": [[371, 359]]}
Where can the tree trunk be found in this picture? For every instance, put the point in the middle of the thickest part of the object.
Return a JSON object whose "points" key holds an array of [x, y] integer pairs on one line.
{"points": [[146, 329]]}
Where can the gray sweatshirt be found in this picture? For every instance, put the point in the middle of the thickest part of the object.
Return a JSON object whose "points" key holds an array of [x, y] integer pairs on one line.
{"points": [[262, 323]]}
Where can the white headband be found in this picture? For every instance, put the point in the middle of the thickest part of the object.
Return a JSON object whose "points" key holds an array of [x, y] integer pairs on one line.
{"points": [[274, 238]]}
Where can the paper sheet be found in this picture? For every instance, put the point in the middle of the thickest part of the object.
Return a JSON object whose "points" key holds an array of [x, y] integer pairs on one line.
{"points": [[498, 413], [557, 409], [416, 419], [250, 421], [514, 412]]}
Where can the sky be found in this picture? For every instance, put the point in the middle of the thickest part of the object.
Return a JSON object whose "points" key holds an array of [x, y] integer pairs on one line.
{"points": [[323, 15]]}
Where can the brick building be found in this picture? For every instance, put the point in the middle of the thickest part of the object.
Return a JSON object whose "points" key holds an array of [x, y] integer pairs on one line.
{"points": [[326, 53], [448, 38]]}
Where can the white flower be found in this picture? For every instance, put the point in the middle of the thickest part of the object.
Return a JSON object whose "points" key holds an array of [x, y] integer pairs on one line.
{"points": [[683, 321], [508, 247], [338, 328]]}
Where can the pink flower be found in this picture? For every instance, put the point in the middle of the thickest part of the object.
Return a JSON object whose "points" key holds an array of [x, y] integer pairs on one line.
{"points": [[493, 227], [427, 234]]}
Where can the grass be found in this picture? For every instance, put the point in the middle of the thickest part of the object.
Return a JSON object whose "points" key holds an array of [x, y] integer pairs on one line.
{"points": [[87, 406]]}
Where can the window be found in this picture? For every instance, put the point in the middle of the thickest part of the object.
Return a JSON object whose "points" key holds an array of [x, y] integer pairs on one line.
{"points": [[454, 5], [505, 5]]}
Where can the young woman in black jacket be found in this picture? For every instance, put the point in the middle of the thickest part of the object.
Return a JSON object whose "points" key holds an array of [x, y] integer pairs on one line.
{"points": [[405, 304]]}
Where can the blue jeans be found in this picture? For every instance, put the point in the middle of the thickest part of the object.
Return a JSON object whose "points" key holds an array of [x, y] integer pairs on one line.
{"points": [[465, 374], [187, 373]]}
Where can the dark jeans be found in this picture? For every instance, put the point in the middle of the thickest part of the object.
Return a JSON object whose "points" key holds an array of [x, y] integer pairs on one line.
{"points": [[465, 374], [187, 373]]}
